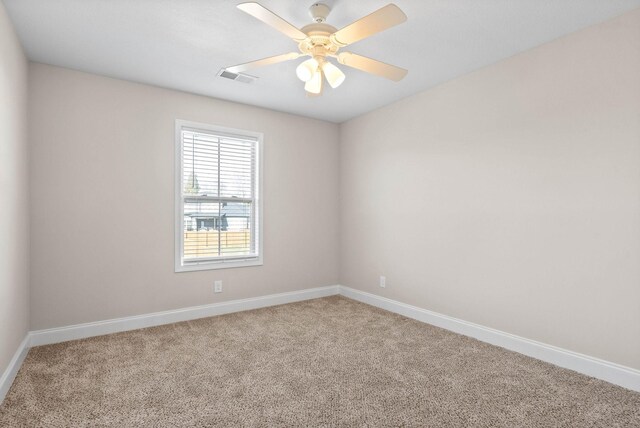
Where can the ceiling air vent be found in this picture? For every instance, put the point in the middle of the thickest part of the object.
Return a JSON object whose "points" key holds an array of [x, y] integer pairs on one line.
{"points": [[239, 77]]}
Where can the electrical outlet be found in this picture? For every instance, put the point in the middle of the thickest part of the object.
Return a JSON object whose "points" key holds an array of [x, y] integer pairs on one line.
{"points": [[217, 286], [383, 281]]}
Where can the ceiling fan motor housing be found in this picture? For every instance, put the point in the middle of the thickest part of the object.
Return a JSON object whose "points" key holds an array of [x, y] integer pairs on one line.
{"points": [[318, 41], [319, 12]]}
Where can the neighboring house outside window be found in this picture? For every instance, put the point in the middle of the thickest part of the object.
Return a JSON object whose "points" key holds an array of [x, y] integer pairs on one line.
{"points": [[218, 201]]}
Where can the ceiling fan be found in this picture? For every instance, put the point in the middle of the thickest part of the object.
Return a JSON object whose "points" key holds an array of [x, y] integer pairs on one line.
{"points": [[320, 41]]}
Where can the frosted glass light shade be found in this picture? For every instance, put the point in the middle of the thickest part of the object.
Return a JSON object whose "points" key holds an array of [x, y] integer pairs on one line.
{"points": [[334, 75], [306, 69], [314, 85]]}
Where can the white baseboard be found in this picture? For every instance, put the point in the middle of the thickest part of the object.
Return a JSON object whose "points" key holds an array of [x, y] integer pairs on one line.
{"points": [[595, 367], [12, 369], [610, 372], [98, 328]]}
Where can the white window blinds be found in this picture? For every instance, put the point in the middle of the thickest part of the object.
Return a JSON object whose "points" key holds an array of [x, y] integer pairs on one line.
{"points": [[218, 198]]}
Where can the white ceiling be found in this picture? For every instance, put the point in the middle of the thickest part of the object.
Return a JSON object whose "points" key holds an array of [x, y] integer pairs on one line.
{"points": [[181, 44]]}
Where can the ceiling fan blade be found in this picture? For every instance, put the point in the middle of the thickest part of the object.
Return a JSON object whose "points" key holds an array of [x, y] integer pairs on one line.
{"points": [[380, 20], [265, 15], [372, 66], [262, 62]]}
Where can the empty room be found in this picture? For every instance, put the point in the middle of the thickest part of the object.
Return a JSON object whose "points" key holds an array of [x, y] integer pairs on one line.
{"points": [[220, 213]]}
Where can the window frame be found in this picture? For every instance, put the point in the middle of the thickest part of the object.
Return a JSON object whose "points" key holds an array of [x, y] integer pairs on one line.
{"points": [[223, 263]]}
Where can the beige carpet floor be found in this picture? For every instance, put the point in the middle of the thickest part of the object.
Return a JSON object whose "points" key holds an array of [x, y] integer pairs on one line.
{"points": [[329, 362]]}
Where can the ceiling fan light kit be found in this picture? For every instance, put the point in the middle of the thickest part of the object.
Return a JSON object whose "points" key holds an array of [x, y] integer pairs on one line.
{"points": [[306, 69], [320, 41], [334, 75], [314, 85]]}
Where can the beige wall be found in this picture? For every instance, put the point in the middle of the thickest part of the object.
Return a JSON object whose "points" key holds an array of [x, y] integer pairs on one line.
{"points": [[102, 186], [14, 211], [509, 197]]}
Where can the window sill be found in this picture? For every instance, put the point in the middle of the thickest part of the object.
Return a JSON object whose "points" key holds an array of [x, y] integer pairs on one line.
{"points": [[190, 267]]}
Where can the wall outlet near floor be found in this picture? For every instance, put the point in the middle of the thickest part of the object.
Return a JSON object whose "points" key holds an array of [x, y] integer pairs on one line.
{"points": [[383, 281], [217, 286]]}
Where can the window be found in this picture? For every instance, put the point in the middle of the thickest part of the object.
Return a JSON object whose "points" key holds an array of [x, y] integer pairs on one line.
{"points": [[218, 209]]}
